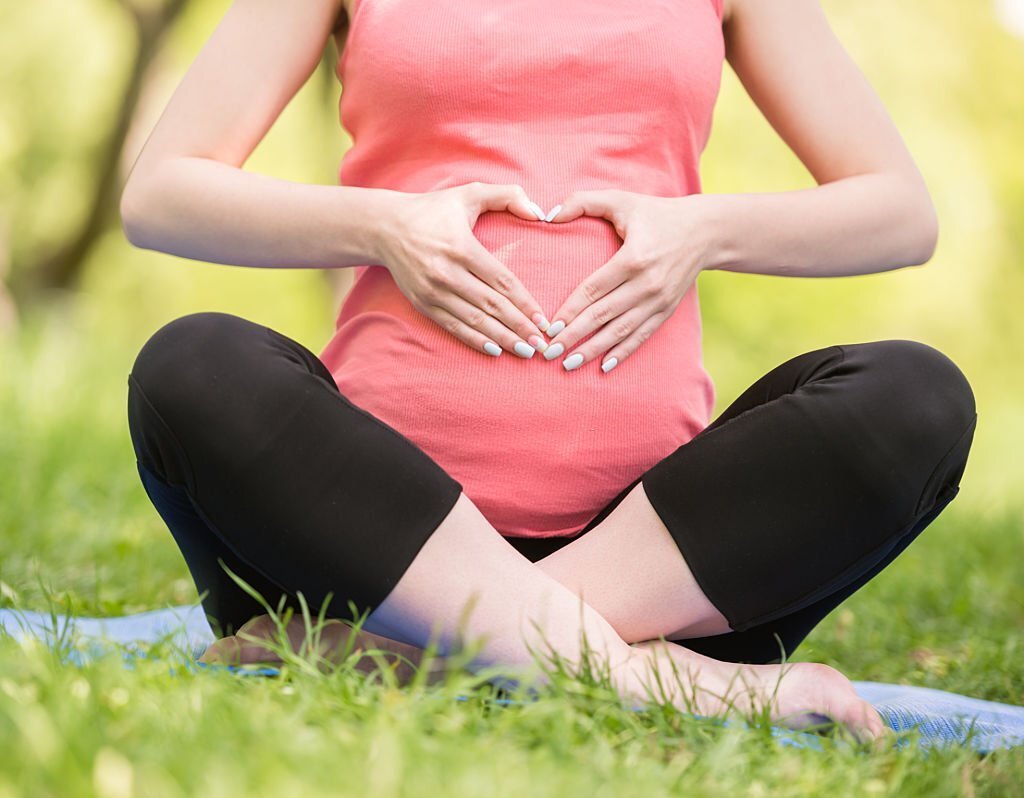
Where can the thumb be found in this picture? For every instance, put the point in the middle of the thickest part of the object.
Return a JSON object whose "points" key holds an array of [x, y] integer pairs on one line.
{"points": [[604, 203], [503, 197]]}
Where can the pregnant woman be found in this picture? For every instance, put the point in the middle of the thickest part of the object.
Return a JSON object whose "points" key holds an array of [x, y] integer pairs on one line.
{"points": [[508, 436]]}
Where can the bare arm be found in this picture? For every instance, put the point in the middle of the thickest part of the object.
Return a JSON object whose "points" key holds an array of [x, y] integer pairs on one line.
{"points": [[871, 210], [187, 194]]}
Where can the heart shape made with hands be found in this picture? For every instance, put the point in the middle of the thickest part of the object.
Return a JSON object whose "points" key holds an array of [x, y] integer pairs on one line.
{"points": [[552, 329], [662, 246]]}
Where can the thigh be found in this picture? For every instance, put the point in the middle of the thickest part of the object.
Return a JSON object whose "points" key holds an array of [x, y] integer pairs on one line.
{"points": [[308, 491], [803, 488]]}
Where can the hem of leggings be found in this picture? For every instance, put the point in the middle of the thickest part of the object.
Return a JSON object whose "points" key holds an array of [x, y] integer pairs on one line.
{"points": [[435, 520], [412, 552], [696, 564], [362, 603], [453, 484]]}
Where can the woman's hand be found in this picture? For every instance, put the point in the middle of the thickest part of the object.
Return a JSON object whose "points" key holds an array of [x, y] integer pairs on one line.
{"points": [[427, 244], [628, 297]]}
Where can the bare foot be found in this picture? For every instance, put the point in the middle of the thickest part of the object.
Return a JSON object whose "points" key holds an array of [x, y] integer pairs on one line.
{"points": [[796, 695], [254, 641]]}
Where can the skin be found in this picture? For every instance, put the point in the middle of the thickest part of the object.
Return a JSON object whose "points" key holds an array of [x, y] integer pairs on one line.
{"points": [[625, 582]]}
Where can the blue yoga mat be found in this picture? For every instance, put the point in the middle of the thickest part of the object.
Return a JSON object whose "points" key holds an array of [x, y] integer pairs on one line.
{"points": [[940, 718]]}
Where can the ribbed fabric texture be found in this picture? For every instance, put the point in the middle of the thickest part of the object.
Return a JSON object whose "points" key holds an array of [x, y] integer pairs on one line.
{"points": [[579, 94]]}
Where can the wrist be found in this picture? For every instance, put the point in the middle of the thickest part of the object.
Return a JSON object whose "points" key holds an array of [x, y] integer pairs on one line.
{"points": [[714, 223], [369, 216]]}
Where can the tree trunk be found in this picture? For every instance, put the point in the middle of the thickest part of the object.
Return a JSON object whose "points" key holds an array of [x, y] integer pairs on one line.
{"points": [[57, 271]]}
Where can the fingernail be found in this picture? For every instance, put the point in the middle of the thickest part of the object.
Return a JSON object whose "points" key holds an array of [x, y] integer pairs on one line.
{"points": [[554, 351], [540, 321], [553, 213], [523, 349], [572, 361], [555, 328], [492, 348], [609, 364], [537, 210], [537, 342]]}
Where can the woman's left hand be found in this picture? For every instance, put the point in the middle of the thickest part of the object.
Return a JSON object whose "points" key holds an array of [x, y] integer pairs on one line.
{"points": [[664, 244]]}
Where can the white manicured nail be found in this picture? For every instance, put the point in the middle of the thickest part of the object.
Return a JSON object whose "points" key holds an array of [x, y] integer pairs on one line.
{"points": [[492, 348], [553, 213], [609, 364], [555, 328], [523, 349], [537, 342], [554, 351], [537, 210], [572, 361], [541, 322]]}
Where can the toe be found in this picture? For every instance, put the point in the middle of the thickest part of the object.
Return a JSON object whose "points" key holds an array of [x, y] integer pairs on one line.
{"points": [[226, 651]]}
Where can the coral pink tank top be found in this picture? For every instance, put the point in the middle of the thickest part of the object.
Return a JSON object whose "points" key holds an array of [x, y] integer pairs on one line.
{"points": [[578, 94]]}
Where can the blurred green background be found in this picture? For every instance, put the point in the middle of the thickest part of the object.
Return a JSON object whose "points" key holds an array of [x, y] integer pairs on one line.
{"points": [[82, 83]]}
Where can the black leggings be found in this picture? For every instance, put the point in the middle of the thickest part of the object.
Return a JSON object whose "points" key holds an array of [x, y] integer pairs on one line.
{"points": [[812, 481]]}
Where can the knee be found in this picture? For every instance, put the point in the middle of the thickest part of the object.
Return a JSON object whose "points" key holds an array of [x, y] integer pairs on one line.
{"points": [[175, 384], [921, 389], [189, 355]]}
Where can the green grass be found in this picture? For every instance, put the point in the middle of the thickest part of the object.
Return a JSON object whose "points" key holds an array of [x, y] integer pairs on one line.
{"points": [[79, 535]]}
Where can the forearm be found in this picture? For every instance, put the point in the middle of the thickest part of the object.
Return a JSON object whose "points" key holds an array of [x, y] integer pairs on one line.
{"points": [[860, 224], [206, 210]]}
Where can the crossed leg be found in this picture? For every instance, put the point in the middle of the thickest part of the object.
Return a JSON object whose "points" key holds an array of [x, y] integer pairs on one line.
{"points": [[847, 454], [517, 606], [271, 512], [903, 405], [509, 595]]}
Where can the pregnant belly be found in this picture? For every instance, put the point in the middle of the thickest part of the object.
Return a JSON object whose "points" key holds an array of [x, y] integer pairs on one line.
{"points": [[540, 450]]}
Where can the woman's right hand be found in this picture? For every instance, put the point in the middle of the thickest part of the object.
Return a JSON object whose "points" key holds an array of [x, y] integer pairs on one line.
{"points": [[428, 245]]}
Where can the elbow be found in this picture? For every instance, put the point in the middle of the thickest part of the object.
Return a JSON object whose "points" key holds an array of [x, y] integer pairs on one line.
{"points": [[136, 214], [131, 213], [928, 235], [922, 229]]}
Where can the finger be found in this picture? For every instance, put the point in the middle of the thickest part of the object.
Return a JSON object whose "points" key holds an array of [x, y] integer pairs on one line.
{"points": [[487, 327], [511, 325], [523, 314], [606, 310], [611, 358], [612, 336], [600, 282], [469, 336], [503, 197], [605, 203]]}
